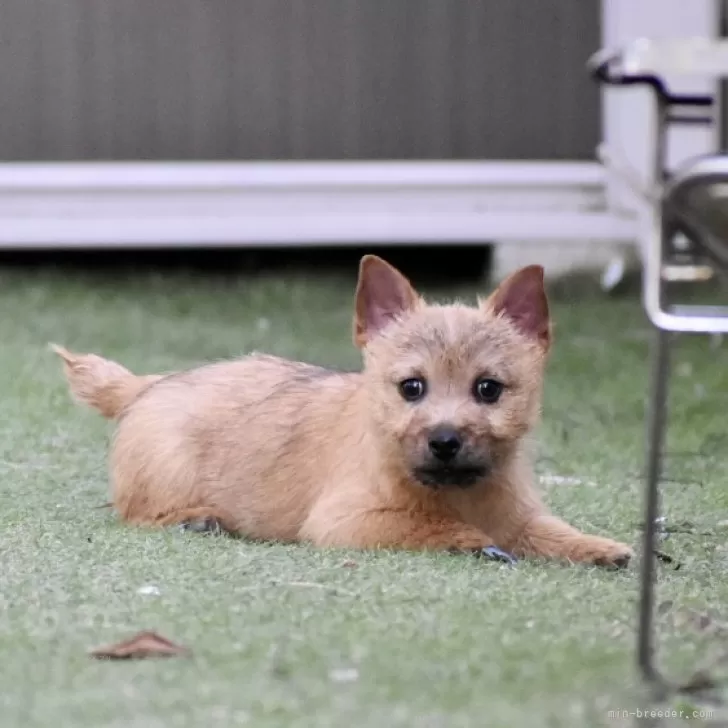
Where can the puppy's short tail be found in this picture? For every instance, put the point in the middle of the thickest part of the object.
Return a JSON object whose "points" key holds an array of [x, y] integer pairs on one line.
{"points": [[102, 384]]}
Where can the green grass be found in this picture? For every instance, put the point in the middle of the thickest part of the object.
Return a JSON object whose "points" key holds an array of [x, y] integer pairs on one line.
{"points": [[289, 636]]}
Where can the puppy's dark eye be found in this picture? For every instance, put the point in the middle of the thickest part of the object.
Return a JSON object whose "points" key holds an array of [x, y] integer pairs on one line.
{"points": [[487, 391], [412, 389]]}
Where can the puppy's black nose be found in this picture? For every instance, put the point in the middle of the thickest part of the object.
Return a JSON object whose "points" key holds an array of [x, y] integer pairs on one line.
{"points": [[444, 443]]}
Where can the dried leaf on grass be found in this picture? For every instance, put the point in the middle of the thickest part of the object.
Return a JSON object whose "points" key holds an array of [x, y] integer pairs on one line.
{"points": [[142, 645], [701, 681], [709, 679], [700, 622]]}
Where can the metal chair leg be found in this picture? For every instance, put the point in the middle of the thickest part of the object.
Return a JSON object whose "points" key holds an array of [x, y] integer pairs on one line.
{"points": [[655, 437]]}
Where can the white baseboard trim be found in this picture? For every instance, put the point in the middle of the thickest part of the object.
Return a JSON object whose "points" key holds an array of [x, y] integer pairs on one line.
{"points": [[175, 204]]}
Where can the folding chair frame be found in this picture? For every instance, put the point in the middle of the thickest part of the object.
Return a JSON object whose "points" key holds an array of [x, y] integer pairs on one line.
{"points": [[665, 218]]}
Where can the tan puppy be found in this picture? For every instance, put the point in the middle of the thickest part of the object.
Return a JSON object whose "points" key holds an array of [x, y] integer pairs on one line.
{"points": [[424, 449]]}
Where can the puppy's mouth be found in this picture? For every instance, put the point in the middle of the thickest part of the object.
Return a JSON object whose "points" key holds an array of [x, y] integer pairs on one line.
{"points": [[450, 476]]}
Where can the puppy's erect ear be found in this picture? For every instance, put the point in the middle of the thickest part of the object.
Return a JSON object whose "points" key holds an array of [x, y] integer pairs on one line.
{"points": [[522, 299], [382, 294]]}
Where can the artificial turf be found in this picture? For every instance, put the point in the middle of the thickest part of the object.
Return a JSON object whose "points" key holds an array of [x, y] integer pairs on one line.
{"points": [[291, 636]]}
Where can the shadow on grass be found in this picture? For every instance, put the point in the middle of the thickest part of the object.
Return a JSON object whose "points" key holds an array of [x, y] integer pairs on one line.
{"points": [[428, 265]]}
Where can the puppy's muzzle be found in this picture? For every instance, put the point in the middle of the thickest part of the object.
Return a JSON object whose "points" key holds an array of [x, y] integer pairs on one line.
{"points": [[448, 464]]}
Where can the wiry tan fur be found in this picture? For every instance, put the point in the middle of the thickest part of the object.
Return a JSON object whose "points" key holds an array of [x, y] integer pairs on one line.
{"points": [[279, 450]]}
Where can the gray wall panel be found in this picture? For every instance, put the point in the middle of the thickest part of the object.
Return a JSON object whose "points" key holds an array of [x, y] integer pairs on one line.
{"points": [[297, 79]]}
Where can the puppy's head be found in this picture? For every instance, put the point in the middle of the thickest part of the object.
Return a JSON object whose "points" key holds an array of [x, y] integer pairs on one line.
{"points": [[451, 389]]}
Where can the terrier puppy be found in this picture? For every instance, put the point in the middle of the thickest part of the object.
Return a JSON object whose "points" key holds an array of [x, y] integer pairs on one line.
{"points": [[423, 449]]}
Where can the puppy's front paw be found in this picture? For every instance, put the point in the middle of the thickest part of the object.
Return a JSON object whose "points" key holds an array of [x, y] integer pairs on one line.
{"points": [[604, 552]]}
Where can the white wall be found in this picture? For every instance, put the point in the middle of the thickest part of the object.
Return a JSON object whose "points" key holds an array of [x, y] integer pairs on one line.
{"points": [[627, 118], [627, 112]]}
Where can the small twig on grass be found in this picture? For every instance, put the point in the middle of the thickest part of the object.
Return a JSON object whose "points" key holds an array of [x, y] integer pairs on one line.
{"points": [[663, 531], [666, 480], [316, 585], [667, 559], [713, 445], [302, 585]]}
